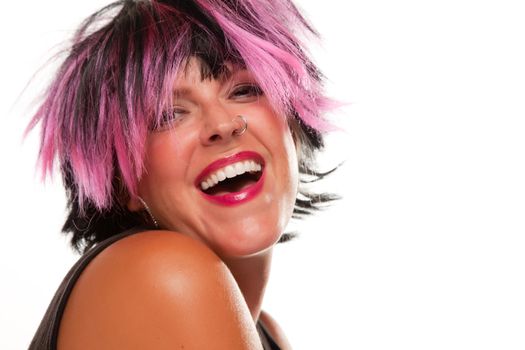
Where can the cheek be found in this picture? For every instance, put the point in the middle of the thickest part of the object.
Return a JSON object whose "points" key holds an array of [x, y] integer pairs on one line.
{"points": [[286, 155], [165, 175], [279, 139], [166, 156], [288, 187]]}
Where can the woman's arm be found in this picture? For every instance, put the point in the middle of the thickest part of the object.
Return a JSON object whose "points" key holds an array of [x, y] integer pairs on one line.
{"points": [[157, 290]]}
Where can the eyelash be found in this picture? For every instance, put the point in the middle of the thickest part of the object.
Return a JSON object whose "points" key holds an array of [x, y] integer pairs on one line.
{"points": [[169, 118], [250, 89]]}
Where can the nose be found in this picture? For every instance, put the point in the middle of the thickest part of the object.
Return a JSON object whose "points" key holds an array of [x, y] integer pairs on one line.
{"points": [[222, 127]]}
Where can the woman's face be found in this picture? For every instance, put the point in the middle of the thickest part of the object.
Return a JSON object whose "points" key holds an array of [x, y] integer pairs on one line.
{"points": [[200, 144]]}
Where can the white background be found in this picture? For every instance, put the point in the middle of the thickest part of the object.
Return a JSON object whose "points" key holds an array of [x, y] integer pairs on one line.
{"points": [[426, 251]]}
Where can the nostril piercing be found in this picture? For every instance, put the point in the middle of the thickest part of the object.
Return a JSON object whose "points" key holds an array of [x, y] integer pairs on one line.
{"points": [[243, 128]]}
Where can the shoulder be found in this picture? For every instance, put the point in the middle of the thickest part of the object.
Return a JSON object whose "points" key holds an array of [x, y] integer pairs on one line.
{"points": [[157, 290], [153, 248]]}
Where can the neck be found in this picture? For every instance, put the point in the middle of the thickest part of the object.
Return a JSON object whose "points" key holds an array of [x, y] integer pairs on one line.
{"points": [[252, 276]]}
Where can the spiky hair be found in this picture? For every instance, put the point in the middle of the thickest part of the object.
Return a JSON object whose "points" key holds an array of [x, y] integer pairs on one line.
{"points": [[117, 79]]}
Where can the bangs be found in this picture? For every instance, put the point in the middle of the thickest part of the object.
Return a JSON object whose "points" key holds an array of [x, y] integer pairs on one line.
{"points": [[119, 73]]}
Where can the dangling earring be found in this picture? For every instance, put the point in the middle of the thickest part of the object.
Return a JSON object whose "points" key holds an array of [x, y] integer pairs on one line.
{"points": [[149, 212]]}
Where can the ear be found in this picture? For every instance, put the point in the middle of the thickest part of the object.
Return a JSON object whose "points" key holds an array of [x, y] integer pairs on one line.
{"points": [[131, 202], [134, 204]]}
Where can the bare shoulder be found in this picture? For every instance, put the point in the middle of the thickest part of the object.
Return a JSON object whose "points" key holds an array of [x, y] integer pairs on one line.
{"points": [[275, 330], [157, 290]]}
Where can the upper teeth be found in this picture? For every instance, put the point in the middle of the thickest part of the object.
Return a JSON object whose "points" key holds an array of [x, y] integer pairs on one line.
{"points": [[230, 171]]}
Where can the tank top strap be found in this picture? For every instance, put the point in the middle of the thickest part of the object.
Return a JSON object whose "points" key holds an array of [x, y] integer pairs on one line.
{"points": [[47, 333], [266, 339]]}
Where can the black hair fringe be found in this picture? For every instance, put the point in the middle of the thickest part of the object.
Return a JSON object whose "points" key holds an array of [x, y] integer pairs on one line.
{"points": [[91, 225]]}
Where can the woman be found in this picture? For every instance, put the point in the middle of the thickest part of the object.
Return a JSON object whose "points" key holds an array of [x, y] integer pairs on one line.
{"points": [[181, 129]]}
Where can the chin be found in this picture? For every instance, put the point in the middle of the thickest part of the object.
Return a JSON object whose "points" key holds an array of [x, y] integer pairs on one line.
{"points": [[244, 243]]}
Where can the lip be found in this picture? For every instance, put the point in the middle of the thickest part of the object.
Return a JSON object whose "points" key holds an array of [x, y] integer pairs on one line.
{"points": [[239, 197]]}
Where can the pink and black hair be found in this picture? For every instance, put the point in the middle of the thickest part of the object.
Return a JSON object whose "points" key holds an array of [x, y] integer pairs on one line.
{"points": [[116, 82]]}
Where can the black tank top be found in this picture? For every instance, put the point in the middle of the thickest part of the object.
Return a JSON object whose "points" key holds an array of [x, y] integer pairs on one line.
{"points": [[47, 333]]}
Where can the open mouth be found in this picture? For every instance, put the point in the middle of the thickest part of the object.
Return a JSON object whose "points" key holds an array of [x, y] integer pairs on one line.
{"points": [[232, 178]]}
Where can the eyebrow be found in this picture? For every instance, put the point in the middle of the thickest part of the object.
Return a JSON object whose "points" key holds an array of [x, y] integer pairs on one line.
{"points": [[181, 93]]}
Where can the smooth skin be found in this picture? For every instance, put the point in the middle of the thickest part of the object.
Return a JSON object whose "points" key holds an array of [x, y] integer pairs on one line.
{"points": [[199, 284]]}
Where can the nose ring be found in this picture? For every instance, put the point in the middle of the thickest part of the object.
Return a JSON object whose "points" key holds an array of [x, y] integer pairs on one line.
{"points": [[241, 130]]}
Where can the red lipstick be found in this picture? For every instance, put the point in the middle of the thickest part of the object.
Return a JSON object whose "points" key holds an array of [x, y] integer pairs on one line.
{"points": [[233, 198]]}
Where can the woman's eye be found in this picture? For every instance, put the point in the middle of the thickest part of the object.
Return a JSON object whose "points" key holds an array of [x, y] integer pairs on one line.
{"points": [[170, 118], [246, 90]]}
